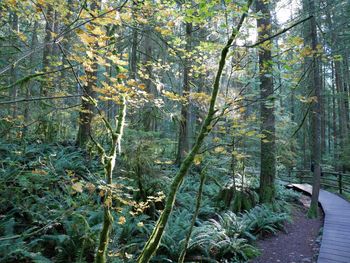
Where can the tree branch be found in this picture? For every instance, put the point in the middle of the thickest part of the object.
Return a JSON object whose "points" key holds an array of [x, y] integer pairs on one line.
{"points": [[39, 98], [278, 33]]}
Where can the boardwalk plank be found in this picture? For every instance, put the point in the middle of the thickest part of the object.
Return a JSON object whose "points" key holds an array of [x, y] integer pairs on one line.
{"points": [[335, 245]]}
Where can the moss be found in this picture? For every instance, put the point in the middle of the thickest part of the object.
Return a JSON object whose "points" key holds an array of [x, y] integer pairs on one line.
{"points": [[267, 194], [104, 237], [313, 211]]}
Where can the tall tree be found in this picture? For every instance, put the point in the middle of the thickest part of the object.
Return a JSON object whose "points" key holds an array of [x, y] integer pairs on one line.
{"points": [[149, 119], [315, 80], [183, 142], [87, 108], [267, 160], [14, 72]]}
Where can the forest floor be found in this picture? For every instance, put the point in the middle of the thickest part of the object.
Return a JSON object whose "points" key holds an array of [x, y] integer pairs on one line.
{"points": [[298, 244]]}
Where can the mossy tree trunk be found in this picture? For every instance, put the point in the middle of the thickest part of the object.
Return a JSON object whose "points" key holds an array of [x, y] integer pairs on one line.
{"points": [[195, 215], [267, 160], [108, 160], [315, 80], [154, 240]]}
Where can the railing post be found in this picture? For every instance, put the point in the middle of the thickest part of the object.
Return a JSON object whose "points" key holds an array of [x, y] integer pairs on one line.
{"points": [[340, 183]]}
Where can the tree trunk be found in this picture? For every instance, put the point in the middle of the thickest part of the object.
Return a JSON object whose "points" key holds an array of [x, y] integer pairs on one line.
{"points": [[323, 112], [268, 162], [315, 79], [30, 84], [149, 118], [109, 164], [44, 129], [133, 55], [334, 122], [87, 108], [183, 142], [13, 72]]}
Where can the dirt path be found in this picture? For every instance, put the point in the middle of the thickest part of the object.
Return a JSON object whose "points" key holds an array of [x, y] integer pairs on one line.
{"points": [[298, 245]]}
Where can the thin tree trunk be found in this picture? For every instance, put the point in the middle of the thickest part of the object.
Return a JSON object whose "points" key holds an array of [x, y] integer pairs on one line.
{"points": [[134, 39], [29, 85], [109, 163], [46, 63], [195, 215], [149, 118], [323, 112], [183, 142], [14, 72], [334, 118]]}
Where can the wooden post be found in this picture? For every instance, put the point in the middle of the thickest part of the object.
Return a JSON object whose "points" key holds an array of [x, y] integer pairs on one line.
{"points": [[340, 183]]}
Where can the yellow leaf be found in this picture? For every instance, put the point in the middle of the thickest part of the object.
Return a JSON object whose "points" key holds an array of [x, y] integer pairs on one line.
{"points": [[216, 139], [22, 36], [98, 31], [126, 17], [90, 27], [131, 82], [142, 86], [171, 24], [90, 187], [108, 202], [90, 54], [121, 76], [121, 220], [86, 39], [250, 133], [41, 172], [78, 187], [219, 149], [197, 159]]}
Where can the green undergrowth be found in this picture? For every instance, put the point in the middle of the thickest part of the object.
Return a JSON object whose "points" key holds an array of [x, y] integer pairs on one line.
{"points": [[51, 206], [45, 215]]}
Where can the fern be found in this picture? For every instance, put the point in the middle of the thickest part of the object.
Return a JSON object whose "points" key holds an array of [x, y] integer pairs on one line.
{"points": [[222, 238]]}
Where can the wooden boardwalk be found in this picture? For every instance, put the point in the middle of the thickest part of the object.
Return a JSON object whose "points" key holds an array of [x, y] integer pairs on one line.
{"points": [[335, 245]]}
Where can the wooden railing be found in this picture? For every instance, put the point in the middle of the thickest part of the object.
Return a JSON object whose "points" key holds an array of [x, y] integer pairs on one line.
{"points": [[334, 180]]}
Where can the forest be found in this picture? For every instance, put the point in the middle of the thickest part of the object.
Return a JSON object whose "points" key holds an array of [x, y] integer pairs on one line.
{"points": [[168, 130]]}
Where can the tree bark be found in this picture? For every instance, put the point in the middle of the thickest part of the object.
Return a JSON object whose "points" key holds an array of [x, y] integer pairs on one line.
{"points": [[149, 118], [334, 117], [30, 84], [13, 72], [109, 164], [267, 160], [315, 79], [87, 108], [183, 143]]}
